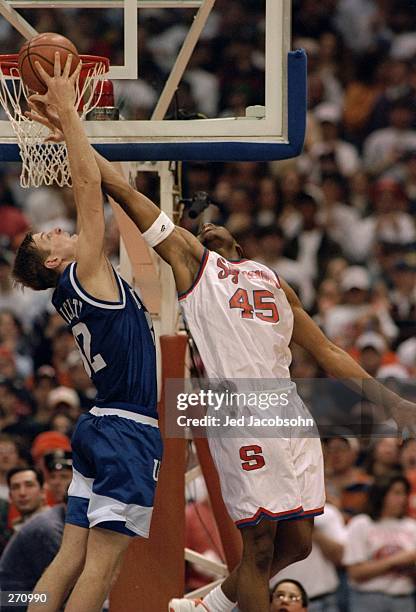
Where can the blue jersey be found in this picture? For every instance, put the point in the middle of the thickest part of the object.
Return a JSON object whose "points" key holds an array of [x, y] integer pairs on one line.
{"points": [[116, 342]]}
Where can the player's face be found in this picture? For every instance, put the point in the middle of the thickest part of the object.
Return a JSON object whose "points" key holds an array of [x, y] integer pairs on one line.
{"points": [[217, 238], [60, 245]]}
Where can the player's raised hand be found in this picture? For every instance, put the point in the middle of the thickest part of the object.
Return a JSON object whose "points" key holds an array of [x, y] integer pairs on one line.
{"points": [[61, 86]]}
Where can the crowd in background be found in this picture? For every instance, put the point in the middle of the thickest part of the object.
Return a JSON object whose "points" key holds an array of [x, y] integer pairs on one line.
{"points": [[337, 223]]}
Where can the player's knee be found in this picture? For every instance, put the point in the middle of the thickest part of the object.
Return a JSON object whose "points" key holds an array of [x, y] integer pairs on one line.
{"points": [[259, 550], [303, 549]]}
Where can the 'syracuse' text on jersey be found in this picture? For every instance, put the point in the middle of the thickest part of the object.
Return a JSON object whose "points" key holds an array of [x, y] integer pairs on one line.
{"points": [[116, 342], [240, 319]]}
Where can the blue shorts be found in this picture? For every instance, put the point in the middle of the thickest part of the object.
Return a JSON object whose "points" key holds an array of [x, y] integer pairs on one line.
{"points": [[116, 464]]}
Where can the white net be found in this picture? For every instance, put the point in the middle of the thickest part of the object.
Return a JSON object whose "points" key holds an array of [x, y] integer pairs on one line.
{"points": [[45, 163]]}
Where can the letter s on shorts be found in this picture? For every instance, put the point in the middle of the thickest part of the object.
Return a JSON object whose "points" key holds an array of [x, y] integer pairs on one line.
{"points": [[252, 457]]}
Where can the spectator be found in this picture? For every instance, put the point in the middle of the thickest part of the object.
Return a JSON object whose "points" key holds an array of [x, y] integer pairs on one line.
{"points": [[380, 551], [390, 223], [385, 147], [383, 457], [58, 475], [311, 246], [347, 485], [48, 442], [346, 156], [80, 381], [288, 595], [272, 245], [43, 383], [403, 297], [9, 459], [31, 550], [26, 492], [372, 347], [318, 572], [408, 465], [64, 400], [342, 321]]}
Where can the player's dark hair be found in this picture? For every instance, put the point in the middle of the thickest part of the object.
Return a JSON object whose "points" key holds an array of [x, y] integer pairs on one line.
{"points": [[38, 473], [29, 266], [379, 490], [305, 599]]}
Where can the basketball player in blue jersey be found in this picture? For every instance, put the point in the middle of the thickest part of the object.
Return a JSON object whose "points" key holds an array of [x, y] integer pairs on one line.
{"points": [[117, 446], [242, 318]]}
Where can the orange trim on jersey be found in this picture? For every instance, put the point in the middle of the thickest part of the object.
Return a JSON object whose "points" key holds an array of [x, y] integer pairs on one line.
{"points": [[314, 512], [269, 514], [204, 260]]}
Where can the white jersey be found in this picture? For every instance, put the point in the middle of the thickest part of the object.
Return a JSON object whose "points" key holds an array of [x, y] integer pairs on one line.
{"points": [[240, 319]]}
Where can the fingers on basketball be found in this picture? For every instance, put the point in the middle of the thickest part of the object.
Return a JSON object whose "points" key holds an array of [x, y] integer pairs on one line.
{"points": [[42, 48]]}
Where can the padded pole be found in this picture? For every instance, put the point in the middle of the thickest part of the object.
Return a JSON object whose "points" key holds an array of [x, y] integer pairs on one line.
{"points": [[230, 535], [153, 570]]}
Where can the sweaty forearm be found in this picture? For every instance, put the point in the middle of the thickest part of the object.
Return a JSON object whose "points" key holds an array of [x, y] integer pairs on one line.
{"points": [[339, 364], [138, 207], [84, 169]]}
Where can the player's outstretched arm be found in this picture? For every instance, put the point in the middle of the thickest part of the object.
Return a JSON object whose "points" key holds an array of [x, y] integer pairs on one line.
{"points": [[337, 363], [180, 249], [93, 269]]}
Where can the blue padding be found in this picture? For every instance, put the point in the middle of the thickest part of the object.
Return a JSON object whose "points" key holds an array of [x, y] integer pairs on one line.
{"points": [[218, 151]]}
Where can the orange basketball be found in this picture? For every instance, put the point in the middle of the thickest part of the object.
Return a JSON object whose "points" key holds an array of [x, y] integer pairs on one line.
{"points": [[42, 48]]}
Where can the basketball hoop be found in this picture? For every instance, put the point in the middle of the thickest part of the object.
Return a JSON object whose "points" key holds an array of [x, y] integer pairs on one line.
{"points": [[45, 163]]}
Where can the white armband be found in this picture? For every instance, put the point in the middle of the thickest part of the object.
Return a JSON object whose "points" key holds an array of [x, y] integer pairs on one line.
{"points": [[159, 231]]}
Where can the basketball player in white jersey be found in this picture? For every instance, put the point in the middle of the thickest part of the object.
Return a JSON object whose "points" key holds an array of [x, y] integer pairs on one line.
{"points": [[242, 318]]}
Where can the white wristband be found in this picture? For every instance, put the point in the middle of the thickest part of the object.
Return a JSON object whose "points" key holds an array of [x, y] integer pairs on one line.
{"points": [[159, 231]]}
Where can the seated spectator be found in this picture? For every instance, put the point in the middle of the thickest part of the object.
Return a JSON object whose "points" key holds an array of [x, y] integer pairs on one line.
{"points": [[47, 442], [80, 381], [9, 459], [58, 475], [64, 400], [345, 154], [311, 246], [380, 551], [403, 297], [272, 245], [385, 147], [389, 222], [344, 320], [347, 485], [13, 338], [406, 353], [288, 596], [31, 550], [27, 493], [383, 457], [43, 383], [318, 572], [408, 464], [372, 347]]}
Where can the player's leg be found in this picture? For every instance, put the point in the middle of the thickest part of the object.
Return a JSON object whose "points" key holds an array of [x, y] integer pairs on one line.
{"points": [[62, 573], [293, 543], [254, 570], [104, 551]]}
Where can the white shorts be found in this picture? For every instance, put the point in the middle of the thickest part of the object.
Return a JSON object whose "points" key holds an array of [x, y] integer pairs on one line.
{"points": [[276, 478]]}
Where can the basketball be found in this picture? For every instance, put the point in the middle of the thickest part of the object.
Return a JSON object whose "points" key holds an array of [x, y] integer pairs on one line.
{"points": [[42, 48]]}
